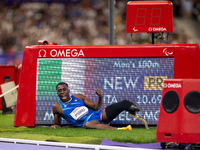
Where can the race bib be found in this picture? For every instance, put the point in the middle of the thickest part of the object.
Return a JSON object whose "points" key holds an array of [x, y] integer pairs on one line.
{"points": [[79, 112]]}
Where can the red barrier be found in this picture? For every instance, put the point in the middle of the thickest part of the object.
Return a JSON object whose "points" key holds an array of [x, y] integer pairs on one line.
{"points": [[186, 65]]}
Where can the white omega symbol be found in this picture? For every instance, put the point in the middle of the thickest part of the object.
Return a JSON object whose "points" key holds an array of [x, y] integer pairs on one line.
{"points": [[150, 29], [44, 53]]}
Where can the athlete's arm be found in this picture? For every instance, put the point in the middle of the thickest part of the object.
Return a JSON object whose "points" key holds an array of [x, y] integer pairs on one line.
{"points": [[57, 123], [90, 104], [99, 102]]}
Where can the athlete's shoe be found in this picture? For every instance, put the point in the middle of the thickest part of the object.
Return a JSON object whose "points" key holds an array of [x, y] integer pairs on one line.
{"points": [[125, 128], [133, 109]]}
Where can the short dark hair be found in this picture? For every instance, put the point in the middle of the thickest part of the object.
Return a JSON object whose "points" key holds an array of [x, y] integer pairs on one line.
{"points": [[60, 84]]}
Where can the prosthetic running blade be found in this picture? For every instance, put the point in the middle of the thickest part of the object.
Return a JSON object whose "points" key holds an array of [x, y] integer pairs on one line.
{"points": [[145, 123]]}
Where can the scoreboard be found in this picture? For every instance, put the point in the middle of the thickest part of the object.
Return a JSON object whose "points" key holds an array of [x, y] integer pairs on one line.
{"points": [[149, 16], [132, 72]]}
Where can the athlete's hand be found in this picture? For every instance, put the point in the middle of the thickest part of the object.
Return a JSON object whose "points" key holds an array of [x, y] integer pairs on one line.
{"points": [[98, 92], [55, 126]]}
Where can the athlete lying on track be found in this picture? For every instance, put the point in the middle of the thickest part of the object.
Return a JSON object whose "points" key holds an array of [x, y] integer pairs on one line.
{"points": [[81, 112]]}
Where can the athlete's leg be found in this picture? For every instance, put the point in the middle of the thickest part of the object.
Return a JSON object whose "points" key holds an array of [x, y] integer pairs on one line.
{"points": [[112, 111], [97, 125]]}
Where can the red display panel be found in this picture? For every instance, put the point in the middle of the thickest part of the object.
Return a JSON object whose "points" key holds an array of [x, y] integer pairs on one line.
{"points": [[149, 16], [84, 63]]}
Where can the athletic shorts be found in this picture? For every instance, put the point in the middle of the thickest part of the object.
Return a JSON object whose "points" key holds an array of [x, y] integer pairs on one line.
{"points": [[95, 116]]}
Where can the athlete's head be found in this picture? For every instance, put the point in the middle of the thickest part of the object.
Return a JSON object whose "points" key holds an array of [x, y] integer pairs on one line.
{"points": [[63, 91], [61, 83]]}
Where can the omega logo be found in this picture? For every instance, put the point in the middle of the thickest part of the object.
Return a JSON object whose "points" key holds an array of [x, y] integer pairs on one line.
{"points": [[42, 51], [61, 53], [172, 85]]}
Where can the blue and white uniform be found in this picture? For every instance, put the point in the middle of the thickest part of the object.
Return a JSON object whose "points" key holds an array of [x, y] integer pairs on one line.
{"points": [[77, 114]]}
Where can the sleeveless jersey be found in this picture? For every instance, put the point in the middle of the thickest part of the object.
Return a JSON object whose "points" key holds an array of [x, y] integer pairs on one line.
{"points": [[75, 111]]}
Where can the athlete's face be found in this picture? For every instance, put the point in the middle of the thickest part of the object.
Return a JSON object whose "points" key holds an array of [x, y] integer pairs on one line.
{"points": [[63, 92]]}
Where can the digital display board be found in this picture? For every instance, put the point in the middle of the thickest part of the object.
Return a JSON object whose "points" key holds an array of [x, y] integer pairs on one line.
{"points": [[149, 16], [132, 72], [139, 80]]}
